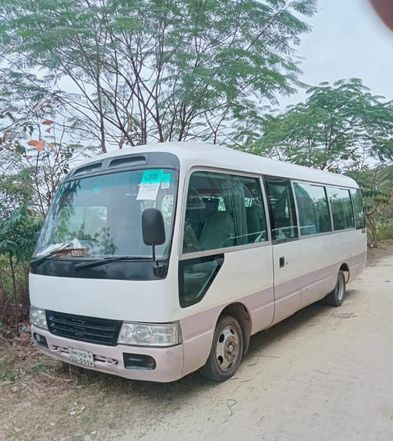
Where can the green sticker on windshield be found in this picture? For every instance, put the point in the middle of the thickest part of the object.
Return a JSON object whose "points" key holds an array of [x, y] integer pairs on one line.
{"points": [[150, 184], [152, 177]]}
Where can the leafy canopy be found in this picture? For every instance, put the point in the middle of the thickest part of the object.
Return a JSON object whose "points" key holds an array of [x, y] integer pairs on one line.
{"points": [[132, 71], [338, 127]]}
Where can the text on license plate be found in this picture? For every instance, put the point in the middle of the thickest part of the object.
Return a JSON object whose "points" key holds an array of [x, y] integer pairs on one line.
{"points": [[81, 357]]}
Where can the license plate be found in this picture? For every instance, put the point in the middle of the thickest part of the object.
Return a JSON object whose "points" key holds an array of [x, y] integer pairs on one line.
{"points": [[81, 357]]}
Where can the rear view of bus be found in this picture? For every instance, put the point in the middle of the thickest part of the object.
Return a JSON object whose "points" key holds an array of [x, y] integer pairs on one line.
{"points": [[155, 263]]}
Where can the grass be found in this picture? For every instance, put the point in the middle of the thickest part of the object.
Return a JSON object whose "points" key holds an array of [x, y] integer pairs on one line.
{"points": [[385, 231], [42, 399], [7, 373], [38, 368]]}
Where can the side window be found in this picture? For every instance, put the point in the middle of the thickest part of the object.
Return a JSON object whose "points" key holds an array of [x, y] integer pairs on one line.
{"points": [[360, 221], [251, 220], [281, 208], [341, 205], [195, 277], [313, 209], [223, 211]]}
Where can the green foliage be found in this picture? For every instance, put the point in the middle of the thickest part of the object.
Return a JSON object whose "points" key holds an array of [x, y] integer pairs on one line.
{"points": [[17, 240], [159, 70], [38, 368], [18, 234], [7, 371], [338, 128], [384, 231], [30, 170], [377, 191]]}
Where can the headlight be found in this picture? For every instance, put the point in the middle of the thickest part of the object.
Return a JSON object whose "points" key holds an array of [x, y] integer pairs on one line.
{"points": [[149, 334], [38, 317]]}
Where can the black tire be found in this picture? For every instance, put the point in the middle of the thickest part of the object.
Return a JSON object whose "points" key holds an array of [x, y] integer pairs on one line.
{"points": [[227, 350], [337, 296]]}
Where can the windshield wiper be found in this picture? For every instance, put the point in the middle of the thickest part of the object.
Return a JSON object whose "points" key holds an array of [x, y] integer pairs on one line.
{"points": [[40, 259], [103, 261]]}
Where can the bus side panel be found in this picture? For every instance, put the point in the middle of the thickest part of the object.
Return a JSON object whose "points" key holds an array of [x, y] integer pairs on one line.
{"points": [[246, 277], [288, 265], [359, 253], [322, 256]]}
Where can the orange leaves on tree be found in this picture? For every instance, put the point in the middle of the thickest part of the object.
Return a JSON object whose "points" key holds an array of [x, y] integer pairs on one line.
{"points": [[37, 144], [47, 122]]}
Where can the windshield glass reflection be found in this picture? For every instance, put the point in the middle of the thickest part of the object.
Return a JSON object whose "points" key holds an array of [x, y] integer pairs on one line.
{"points": [[100, 216]]}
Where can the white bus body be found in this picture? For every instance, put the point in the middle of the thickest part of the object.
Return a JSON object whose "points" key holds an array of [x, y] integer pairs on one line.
{"points": [[250, 238]]}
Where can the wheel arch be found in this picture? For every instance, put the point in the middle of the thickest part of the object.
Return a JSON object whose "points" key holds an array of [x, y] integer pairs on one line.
{"points": [[345, 267], [241, 314]]}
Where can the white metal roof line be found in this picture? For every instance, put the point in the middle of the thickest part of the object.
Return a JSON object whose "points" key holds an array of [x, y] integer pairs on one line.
{"points": [[218, 156]]}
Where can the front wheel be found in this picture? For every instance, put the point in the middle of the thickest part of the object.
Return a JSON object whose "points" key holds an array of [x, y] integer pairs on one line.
{"points": [[226, 352], [337, 296]]}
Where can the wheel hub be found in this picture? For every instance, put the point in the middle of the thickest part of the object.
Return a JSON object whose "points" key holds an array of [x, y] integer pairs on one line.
{"points": [[227, 350]]}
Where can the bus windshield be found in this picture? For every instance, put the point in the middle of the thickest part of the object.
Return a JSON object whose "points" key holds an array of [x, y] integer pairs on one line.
{"points": [[100, 216]]}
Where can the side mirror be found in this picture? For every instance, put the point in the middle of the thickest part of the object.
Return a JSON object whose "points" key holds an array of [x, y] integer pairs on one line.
{"points": [[153, 228]]}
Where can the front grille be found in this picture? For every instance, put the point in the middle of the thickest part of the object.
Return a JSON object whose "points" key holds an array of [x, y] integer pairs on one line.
{"points": [[78, 327]]}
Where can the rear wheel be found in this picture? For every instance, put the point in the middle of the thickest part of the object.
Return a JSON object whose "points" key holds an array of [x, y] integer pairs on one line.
{"points": [[226, 352], [337, 296]]}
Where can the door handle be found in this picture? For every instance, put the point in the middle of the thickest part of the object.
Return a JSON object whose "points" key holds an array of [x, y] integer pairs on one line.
{"points": [[282, 262]]}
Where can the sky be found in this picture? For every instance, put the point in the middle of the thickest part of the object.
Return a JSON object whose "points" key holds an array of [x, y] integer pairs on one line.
{"points": [[348, 40]]}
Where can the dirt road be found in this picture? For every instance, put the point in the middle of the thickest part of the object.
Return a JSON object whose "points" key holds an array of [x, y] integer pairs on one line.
{"points": [[324, 374]]}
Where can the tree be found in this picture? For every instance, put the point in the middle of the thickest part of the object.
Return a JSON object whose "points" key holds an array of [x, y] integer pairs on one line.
{"points": [[17, 240], [31, 169], [35, 153], [339, 127], [377, 190], [158, 70]]}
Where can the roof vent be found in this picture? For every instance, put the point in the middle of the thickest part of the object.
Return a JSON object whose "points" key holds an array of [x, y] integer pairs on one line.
{"points": [[128, 160], [88, 168]]}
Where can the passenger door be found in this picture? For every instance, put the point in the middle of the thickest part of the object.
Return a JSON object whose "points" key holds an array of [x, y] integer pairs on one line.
{"points": [[287, 258], [226, 255]]}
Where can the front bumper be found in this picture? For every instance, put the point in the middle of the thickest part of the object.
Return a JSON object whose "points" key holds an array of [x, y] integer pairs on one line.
{"points": [[109, 359]]}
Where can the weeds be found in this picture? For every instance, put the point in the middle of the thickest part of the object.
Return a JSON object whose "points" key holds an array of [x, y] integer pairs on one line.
{"points": [[7, 372], [40, 367], [385, 231]]}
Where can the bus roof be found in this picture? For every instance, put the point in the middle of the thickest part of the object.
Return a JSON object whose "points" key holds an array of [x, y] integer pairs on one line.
{"points": [[191, 154]]}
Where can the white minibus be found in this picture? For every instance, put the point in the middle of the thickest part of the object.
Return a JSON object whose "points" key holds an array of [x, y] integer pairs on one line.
{"points": [[157, 261]]}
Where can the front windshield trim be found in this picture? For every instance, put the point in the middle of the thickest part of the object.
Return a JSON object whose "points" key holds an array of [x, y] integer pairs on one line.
{"points": [[154, 160], [115, 171]]}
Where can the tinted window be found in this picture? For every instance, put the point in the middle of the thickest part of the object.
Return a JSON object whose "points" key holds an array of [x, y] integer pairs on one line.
{"points": [[281, 208], [313, 209], [195, 277], [358, 209], [222, 211], [341, 208]]}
